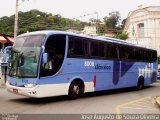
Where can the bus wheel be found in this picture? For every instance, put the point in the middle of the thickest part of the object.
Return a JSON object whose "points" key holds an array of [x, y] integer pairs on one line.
{"points": [[75, 89], [140, 83]]}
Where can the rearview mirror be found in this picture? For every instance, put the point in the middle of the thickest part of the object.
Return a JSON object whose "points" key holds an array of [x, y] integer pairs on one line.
{"points": [[45, 57]]}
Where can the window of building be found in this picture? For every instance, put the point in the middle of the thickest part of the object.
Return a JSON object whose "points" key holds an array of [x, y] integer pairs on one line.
{"points": [[140, 30]]}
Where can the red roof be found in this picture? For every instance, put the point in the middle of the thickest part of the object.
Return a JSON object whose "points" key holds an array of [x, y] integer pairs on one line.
{"points": [[6, 38], [2, 39]]}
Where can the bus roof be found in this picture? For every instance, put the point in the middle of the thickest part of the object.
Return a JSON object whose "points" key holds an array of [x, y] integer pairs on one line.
{"points": [[100, 38]]}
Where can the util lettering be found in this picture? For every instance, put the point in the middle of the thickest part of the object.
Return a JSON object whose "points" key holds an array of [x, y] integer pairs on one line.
{"points": [[146, 71]]}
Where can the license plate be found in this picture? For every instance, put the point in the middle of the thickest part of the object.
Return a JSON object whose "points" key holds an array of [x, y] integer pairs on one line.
{"points": [[15, 91]]}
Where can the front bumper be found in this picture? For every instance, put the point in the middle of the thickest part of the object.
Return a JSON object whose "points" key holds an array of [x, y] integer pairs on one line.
{"points": [[31, 92], [40, 91]]}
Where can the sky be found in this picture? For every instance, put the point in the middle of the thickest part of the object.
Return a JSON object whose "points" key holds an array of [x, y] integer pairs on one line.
{"points": [[79, 9]]}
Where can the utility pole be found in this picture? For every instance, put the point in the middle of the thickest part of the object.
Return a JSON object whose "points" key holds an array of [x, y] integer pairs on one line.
{"points": [[16, 20], [97, 22]]}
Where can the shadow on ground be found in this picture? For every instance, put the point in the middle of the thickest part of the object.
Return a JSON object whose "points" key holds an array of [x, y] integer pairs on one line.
{"points": [[47, 100]]}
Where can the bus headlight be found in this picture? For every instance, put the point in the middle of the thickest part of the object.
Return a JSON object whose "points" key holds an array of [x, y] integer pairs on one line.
{"points": [[30, 85]]}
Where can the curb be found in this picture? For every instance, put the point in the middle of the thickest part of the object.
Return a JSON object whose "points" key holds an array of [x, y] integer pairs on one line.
{"points": [[158, 101]]}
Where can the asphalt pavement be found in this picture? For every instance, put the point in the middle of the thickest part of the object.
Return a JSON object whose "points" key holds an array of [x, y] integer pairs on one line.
{"points": [[120, 101]]}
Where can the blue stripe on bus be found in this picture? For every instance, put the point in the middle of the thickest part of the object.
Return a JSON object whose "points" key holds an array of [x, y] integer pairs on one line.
{"points": [[116, 70], [125, 66]]}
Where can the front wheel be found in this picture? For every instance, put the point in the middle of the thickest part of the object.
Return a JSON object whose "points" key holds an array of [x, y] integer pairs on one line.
{"points": [[74, 90], [140, 83]]}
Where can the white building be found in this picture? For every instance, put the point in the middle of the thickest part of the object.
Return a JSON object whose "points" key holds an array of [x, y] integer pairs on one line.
{"points": [[143, 27], [89, 30]]}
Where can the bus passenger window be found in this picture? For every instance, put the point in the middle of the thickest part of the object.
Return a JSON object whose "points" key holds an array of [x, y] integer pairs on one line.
{"points": [[78, 47], [101, 49], [115, 52], [71, 48], [94, 49]]}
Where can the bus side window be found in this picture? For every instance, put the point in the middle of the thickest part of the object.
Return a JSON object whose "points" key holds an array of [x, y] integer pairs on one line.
{"points": [[78, 47], [94, 48], [108, 50], [71, 48], [115, 51], [101, 49]]}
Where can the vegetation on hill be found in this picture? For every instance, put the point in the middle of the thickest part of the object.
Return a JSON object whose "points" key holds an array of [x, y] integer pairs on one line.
{"points": [[34, 20]]}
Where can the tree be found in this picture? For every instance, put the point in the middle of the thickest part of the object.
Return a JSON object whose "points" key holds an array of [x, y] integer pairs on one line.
{"points": [[101, 29], [57, 18], [29, 22], [112, 20], [122, 36], [123, 23]]}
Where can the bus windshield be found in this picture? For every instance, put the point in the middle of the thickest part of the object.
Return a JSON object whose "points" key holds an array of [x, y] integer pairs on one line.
{"points": [[24, 58]]}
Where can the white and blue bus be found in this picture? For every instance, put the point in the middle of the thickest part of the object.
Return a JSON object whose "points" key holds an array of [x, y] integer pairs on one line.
{"points": [[54, 63]]}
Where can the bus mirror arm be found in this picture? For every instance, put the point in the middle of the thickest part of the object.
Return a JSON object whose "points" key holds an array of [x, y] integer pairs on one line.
{"points": [[43, 49], [45, 57]]}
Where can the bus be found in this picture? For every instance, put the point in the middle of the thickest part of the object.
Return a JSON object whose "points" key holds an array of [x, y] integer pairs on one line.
{"points": [[54, 63]]}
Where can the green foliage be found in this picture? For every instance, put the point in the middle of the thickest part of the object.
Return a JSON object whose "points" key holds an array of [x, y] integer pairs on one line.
{"points": [[122, 36], [36, 20], [112, 20], [6, 25], [101, 29]]}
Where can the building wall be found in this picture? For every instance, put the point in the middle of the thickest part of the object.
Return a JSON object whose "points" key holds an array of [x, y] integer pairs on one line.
{"points": [[90, 30], [149, 36]]}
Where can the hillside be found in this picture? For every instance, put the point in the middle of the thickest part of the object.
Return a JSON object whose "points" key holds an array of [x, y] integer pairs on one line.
{"points": [[36, 20]]}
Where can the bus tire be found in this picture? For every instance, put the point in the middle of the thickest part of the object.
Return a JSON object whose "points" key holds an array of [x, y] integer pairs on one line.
{"points": [[76, 88], [140, 84]]}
